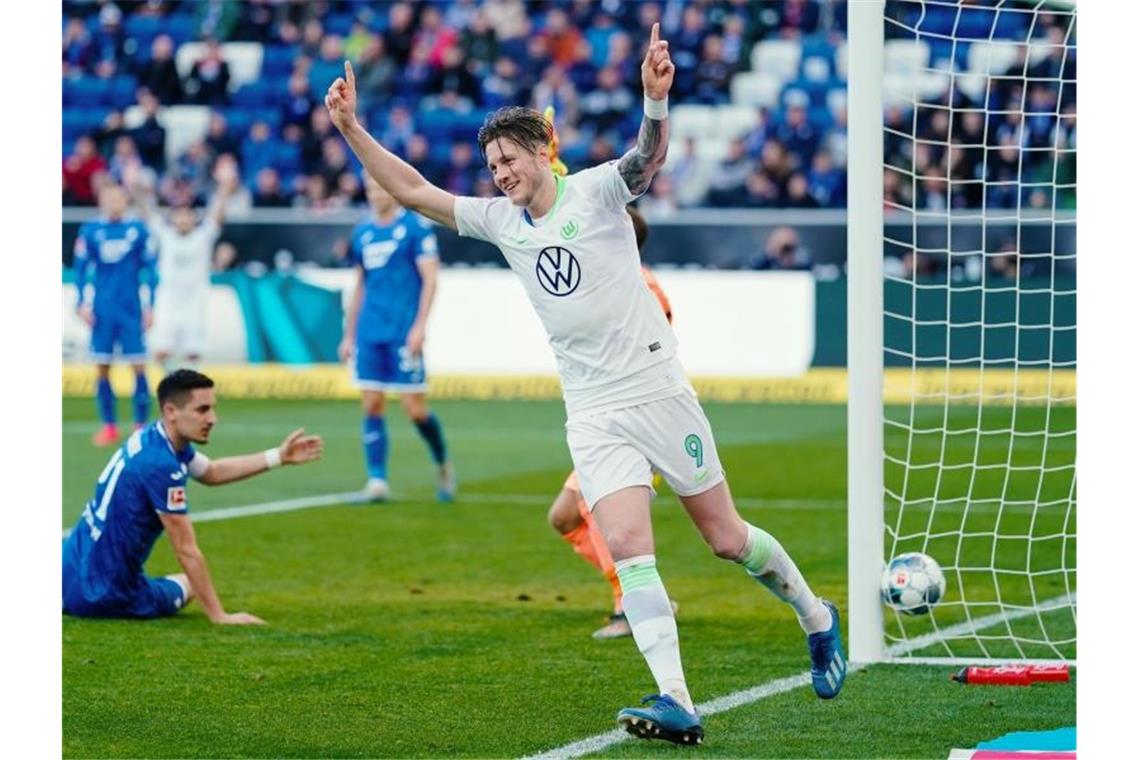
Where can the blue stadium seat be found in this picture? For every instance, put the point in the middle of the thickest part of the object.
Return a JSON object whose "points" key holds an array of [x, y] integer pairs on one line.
{"points": [[278, 60], [271, 116], [181, 28], [251, 95], [122, 91], [287, 158], [143, 30], [238, 120], [339, 24], [85, 91]]}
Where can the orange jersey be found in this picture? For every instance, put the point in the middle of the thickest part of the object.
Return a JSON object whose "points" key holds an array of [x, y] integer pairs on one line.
{"points": [[655, 288]]}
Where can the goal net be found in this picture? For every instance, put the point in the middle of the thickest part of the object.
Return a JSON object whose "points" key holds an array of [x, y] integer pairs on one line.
{"points": [[977, 389]]}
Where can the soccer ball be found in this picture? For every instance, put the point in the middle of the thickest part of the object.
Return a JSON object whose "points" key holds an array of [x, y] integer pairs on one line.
{"points": [[912, 583]]}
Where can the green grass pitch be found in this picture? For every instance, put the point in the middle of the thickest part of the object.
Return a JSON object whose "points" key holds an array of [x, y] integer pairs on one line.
{"points": [[415, 629]]}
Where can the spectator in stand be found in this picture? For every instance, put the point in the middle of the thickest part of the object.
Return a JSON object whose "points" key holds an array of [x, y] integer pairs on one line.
{"points": [[219, 139], [159, 74], [316, 196], [608, 104], [556, 89], [896, 191], [690, 175], [209, 80], [414, 80], [240, 201], [459, 176], [453, 75], [357, 41], [434, 35], [501, 88], [713, 73], [398, 131], [734, 42], [479, 44], [312, 35], [374, 75], [298, 102], [598, 35], [776, 163], [685, 49], [192, 168], [932, 191], [217, 20], [267, 190], [320, 129], [108, 132], [826, 183], [798, 18], [150, 136], [965, 185], [78, 48], [125, 155], [659, 202], [400, 33], [562, 39], [782, 251], [328, 65], [259, 149], [107, 43], [80, 173], [797, 134], [620, 57], [255, 24], [760, 191], [798, 194], [729, 176], [225, 255], [461, 14], [334, 162], [485, 186], [757, 137], [347, 192], [533, 64], [601, 151]]}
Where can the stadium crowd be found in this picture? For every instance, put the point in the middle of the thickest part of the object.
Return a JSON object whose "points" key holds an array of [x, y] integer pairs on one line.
{"points": [[178, 86]]}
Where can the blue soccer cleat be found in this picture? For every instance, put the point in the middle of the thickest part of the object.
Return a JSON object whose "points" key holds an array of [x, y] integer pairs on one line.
{"points": [[828, 663], [663, 719], [446, 485]]}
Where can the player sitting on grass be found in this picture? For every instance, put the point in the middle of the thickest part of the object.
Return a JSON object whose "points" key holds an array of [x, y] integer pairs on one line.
{"points": [[630, 409], [141, 492], [397, 268]]}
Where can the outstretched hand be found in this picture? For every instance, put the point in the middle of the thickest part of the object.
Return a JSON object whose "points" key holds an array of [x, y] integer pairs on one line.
{"points": [[298, 448], [341, 99], [657, 68]]}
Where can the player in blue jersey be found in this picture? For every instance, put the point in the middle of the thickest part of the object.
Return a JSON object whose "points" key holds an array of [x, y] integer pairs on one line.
{"points": [[112, 253], [141, 492], [397, 267]]}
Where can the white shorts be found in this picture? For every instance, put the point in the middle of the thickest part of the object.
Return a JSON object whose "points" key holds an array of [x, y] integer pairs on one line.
{"points": [[178, 331], [624, 447]]}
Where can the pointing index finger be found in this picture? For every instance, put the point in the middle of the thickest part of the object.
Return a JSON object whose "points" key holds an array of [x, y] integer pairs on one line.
{"points": [[349, 75], [653, 34]]}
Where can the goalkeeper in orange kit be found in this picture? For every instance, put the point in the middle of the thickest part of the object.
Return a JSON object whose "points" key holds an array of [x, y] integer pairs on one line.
{"points": [[569, 514]]}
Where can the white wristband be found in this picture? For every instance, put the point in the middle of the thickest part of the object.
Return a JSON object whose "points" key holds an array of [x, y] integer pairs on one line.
{"points": [[657, 109], [272, 458]]}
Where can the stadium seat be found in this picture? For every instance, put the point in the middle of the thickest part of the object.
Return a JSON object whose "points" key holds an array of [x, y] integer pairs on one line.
{"points": [[251, 95], [184, 125], [992, 58], [277, 60], [815, 69], [181, 28], [691, 120], [972, 86], [731, 121], [905, 56], [836, 99], [339, 24], [244, 59], [755, 88], [122, 91], [778, 57], [85, 91]]}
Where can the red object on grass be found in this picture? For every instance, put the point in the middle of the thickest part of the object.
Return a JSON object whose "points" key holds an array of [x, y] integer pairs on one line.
{"points": [[1012, 675]]}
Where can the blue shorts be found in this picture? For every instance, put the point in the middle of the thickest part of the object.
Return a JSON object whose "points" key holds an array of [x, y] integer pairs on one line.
{"points": [[153, 598], [110, 331], [388, 367]]}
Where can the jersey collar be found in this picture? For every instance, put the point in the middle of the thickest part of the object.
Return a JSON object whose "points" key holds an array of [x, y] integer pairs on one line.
{"points": [[560, 190]]}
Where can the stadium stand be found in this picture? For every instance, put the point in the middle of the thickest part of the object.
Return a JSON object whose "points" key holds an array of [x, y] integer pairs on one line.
{"points": [[753, 72]]}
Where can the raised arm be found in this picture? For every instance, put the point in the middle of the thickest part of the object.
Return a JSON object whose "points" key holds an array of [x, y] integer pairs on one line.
{"points": [[638, 166], [395, 175], [297, 448]]}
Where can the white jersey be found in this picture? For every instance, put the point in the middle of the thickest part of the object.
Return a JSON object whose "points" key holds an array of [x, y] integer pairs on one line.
{"points": [[184, 260], [580, 268]]}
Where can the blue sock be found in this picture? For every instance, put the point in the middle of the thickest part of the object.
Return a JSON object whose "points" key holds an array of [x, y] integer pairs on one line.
{"points": [[432, 433], [105, 401], [375, 438], [141, 399]]}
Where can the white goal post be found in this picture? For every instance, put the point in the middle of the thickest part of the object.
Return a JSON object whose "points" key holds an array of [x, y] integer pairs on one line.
{"points": [[961, 325]]}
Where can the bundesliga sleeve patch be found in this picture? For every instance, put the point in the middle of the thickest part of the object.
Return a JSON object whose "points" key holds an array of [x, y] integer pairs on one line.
{"points": [[176, 498]]}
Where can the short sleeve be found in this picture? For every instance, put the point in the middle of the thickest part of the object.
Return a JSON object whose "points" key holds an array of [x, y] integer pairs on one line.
{"points": [[605, 183], [427, 246], [165, 487], [476, 217]]}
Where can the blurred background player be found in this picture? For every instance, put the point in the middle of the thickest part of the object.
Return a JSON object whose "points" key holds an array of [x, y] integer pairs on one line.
{"points": [[141, 492], [185, 252], [570, 514], [116, 249], [397, 269]]}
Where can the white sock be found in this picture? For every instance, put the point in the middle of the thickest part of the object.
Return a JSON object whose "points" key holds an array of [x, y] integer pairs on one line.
{"points": [[654, 628], [766, 560]]}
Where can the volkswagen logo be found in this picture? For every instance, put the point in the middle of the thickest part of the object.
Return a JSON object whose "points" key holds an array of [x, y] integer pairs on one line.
{"points": [[558, 271]]}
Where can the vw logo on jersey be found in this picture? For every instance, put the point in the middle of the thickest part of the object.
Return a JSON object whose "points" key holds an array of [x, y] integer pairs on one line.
{"points": [[558, 271]]}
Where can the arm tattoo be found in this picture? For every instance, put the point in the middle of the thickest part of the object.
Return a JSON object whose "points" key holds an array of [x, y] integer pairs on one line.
{"points": [[638, 166]]}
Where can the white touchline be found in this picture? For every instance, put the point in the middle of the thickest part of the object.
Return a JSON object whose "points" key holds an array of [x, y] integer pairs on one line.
{"points": [[779, 686]]}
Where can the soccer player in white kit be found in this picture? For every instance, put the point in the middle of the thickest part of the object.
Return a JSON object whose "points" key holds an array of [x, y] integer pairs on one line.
{"points": [[629, 408], [185, 252]]}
